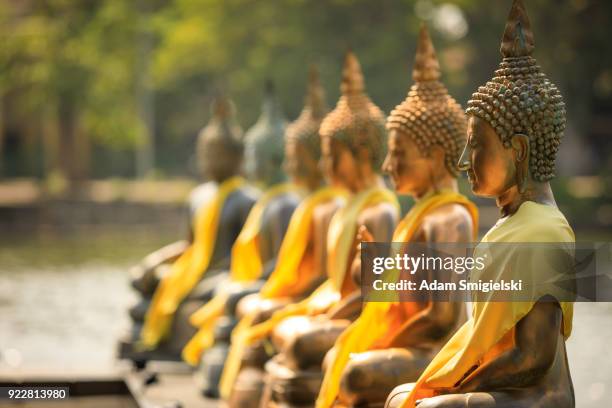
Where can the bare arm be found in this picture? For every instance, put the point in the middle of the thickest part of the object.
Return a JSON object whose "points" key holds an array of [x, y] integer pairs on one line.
{"points": [[449, 224], [276, 221], [536, 338]]}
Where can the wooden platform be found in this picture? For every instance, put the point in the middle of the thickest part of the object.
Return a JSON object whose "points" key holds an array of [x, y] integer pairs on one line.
{"points": [[167, 385], [160, 385]]}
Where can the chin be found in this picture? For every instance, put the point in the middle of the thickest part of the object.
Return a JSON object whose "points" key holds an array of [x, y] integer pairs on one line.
{"points": [[480, 192], [476, 189]]}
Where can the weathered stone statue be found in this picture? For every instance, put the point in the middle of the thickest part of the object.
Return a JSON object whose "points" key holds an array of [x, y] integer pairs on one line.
{"points": [[510, 354], [223, 200], [301, 263], [392, 342], [256, 248], [352, 141]]}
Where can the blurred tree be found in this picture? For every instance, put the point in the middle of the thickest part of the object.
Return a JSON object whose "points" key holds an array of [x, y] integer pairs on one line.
{"points": [[69, 70], [94, 80]]}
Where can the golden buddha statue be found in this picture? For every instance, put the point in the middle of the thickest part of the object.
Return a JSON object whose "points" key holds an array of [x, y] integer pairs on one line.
{"points": [[392, 342], [352, 144], [224, 199], [256, 248], [510, 354]]}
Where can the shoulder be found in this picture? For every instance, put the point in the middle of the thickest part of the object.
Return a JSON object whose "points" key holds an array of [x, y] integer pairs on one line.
{"points": [[327, 209], [283, 203], [247, 192], [544, 223], [449, 214], [450, 222], [382, 212], [201, 194]]}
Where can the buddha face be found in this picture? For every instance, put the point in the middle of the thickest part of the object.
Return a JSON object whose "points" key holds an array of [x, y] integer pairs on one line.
{"points": [[410, 170], [218, 161], [300, 163], [490, 166], [339, 164]]}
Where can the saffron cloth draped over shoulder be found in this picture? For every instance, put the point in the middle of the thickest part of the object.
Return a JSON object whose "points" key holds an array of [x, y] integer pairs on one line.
{"points": [[188, 269], [490, 329], [340, 238], [286, 275], [287, 278], [379, 320], [246, 266]]}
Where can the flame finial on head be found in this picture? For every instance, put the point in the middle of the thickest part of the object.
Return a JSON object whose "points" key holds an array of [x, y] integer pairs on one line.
{"points": [[426, 65], [352, 77], [221, 107], [305, 128], [315, 94], [518, 36]]}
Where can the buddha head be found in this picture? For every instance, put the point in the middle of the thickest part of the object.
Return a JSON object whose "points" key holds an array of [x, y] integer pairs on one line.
{"points": [[353, 135], [264, 143], [426, 131], [302, 141], [219, 146], [516, 120]]}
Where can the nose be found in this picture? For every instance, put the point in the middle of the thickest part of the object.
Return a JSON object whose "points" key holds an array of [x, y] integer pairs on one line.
{"points": [[464, 161]]}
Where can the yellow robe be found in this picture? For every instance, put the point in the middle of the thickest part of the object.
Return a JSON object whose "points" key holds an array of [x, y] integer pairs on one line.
{"points": [[340, 238], [286, 281], [246, 267], [378, 319], [492, 321], [286, 277], [188, 269]]}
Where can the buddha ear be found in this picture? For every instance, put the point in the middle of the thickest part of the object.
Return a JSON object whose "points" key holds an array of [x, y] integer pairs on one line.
{"points": [[437, 153], [363, 154], [520, 145]]}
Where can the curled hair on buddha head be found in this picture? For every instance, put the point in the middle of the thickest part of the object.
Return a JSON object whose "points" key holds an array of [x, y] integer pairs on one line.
{"points": [[305, 129], [429, 115], [356, 121], [520, 99], [222, 131]]}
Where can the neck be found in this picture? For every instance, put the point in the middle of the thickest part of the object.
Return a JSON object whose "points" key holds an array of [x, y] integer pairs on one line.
{"points": [[274, 179], [538, 192], [220, 179], [309, 183], [445, 182], [367, 179]]}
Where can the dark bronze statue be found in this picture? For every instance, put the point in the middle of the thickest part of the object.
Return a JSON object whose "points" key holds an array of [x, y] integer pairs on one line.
{"points": [[510, 354], [219, 153]]}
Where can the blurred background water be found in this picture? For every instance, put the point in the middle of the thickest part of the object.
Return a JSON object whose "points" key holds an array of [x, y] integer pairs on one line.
{"points": [[64, 297]]}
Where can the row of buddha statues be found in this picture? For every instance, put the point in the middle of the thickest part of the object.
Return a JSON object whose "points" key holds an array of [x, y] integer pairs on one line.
{"points": [[264, 297]]}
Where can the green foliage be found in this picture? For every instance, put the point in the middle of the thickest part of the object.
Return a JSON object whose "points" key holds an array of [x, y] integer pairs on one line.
{"points": [[92, 61], [76, 56]]}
